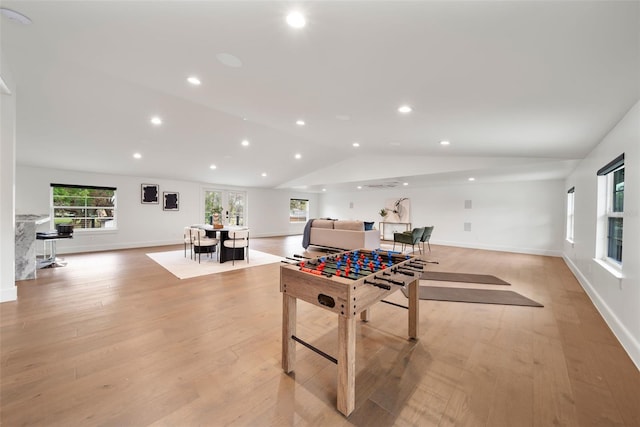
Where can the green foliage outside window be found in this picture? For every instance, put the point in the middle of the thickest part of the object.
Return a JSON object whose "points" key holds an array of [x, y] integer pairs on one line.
{"points": [[212, 203], [298, 210], [236, 208], [84, 207]]}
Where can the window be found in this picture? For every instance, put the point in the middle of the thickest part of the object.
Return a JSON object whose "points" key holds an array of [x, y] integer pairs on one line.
{"points": [[298, 210], [229, 204], [212, 203], [613, 174], [235, 208], [84, 207], [570, 212]]}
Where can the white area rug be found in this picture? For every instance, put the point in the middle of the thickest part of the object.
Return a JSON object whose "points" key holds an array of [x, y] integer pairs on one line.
{"points": [[185, 268]]}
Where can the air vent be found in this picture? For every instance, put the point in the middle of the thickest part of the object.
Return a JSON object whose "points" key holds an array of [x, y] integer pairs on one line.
{"points": [[391, 184]]}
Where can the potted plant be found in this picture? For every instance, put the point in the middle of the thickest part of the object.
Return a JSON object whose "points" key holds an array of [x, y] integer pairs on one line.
{"points": [[383, 213]]}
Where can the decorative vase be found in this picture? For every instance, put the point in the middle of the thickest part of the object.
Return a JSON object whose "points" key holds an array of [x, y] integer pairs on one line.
{"points": [[216, 220]]}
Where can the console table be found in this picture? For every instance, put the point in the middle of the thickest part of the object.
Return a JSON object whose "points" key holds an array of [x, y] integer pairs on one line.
{"points": [[388, 228]]}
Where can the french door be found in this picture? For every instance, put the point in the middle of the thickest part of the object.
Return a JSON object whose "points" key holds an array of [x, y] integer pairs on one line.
{"points": [[230, 204]]}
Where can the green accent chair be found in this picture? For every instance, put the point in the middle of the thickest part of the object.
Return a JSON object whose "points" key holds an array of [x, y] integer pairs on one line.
{"points": [[426, 236], [409, 238]]}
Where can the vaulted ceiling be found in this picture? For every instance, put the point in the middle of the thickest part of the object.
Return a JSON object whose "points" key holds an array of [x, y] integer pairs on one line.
{"points": [[521, 90]]}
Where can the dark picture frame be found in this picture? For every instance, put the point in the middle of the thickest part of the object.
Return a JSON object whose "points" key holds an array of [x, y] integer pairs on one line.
{"points": [[171, 201], [149, 194]]}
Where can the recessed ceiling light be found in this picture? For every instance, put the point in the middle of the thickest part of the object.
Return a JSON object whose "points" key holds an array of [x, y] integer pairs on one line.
{"points": [[405, 183], [359, 187], [472, 179], [296, 20], [245, 143], [300, 122], [213, 167], [137, 155], [264, 174], [356, 144], [194, 80], [15, 16], [444, 143], [156, 120], [404, 109], [229, 60], [324, 189], [298, 156]]}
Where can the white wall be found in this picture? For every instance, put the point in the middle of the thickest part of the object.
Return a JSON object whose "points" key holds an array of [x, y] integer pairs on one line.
{"points": [[8, 290], [618, 300], [269, 210], [148, 225], [512, 216]]}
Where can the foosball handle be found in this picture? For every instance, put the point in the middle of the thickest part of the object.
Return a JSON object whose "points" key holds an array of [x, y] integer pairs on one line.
{"points": [[379, 285]]}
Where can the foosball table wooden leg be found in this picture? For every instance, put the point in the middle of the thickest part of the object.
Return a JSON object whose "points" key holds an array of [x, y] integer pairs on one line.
{"points": [[288, 330], [414, 309], [346, 364], [365, 315]]}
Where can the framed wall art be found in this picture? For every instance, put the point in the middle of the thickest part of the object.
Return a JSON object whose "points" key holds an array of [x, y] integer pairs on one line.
{"points": [[150, 194], [399, 210], [171, 201]]}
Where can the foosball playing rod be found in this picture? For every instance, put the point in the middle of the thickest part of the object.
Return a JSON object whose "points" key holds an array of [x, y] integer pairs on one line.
{"points": [[382, 253], [393, 303], [379, 285], [315, 349]]}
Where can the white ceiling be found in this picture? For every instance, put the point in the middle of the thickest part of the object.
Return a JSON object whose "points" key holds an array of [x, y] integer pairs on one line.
{"points": [[521, 89]]}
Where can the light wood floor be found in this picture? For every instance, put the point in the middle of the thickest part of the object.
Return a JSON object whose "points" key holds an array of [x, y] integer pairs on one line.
{"points": [[114, 339]]}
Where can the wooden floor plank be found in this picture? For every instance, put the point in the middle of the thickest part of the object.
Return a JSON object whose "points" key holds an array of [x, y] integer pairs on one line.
{"points": [[115, 339]]}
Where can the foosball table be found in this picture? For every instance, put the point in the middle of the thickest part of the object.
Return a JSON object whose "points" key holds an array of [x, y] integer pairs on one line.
{"points": [[348, 284]]}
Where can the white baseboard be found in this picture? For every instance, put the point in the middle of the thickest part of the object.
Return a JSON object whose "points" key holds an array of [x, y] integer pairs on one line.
{"points": [[9, 294], [114, 247], [530, 251], [67, 249], [626, 339]]}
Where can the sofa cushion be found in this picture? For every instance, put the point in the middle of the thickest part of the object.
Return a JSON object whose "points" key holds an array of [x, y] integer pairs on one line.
{"points": [[349, 225], [368, 225], [323, 223]]}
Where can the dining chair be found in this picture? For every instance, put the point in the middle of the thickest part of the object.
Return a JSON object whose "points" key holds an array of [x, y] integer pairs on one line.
{"points": [[238, 239], [188, 241], [202, 243]]}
